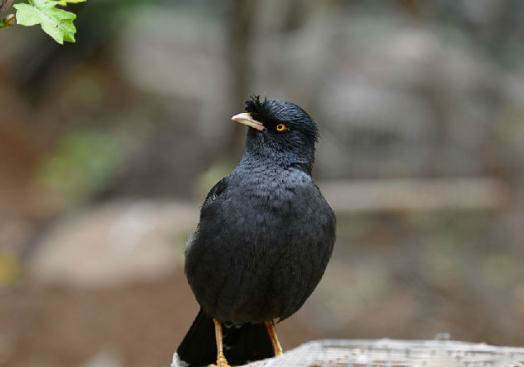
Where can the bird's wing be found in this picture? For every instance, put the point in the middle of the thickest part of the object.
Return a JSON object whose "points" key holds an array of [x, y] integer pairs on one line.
{"points": [[212, 195], [216, 191]]}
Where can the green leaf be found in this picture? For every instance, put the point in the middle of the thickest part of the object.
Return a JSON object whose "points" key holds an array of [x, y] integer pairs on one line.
{"points": [[57, 23], [26, 15], [65, 2]]}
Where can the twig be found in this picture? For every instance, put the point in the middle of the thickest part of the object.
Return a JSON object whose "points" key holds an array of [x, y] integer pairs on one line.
{"points": [[8, 21], [5, 5]]}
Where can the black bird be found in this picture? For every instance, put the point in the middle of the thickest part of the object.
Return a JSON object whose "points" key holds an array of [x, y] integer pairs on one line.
{"points": [[263, 242]]}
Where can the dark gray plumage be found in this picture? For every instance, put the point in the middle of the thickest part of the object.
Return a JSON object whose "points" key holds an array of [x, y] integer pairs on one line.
{"points": [[266, 233]]}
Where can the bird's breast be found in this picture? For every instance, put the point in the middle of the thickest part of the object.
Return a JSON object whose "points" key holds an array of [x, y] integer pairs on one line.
{"points": [[267, 242]]}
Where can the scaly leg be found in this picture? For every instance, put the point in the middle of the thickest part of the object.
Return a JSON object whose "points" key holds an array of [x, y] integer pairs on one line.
{"points": [[270, 326], [221, 358]]}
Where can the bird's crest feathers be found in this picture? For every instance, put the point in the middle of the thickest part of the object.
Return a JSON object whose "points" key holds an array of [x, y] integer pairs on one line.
{"points": [[270, 112]]}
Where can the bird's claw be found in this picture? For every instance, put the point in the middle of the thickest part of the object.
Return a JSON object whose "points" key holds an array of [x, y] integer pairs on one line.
{"points": [[222, 361]]}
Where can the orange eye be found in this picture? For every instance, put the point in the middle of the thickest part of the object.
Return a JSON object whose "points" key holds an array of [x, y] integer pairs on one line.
{"points": [[281, 128]]}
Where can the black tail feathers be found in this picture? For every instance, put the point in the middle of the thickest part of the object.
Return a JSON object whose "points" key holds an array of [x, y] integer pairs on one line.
{"points": [[242, 343]]}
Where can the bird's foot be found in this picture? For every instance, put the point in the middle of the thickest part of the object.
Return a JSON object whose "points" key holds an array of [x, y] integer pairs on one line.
{"points": [[222, 361], [277, 348], [221, 358]]}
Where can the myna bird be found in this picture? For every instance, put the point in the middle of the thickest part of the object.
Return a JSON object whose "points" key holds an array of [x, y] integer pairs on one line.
{"points": [[264, 239]]}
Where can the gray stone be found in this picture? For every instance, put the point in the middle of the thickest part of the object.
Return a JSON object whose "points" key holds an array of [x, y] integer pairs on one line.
{"points": [[115, 243]]}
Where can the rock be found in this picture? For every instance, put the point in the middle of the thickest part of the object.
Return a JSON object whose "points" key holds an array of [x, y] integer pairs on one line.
{"points": [[115, 243]]}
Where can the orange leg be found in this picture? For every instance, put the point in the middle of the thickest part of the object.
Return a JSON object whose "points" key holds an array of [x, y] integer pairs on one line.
{"points": [[221, 358], [270, 326]]}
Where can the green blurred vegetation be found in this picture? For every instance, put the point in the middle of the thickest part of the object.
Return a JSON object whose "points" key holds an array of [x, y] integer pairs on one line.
{"points": [[81, 164]]}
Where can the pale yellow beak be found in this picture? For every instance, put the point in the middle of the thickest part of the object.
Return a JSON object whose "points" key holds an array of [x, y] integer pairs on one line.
{"points": [[246, 119]]}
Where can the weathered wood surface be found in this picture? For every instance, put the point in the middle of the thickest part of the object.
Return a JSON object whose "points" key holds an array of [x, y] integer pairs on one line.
{"points": [[397, 353]]}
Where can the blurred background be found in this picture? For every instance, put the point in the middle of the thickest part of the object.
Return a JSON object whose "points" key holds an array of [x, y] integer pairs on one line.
{"points": [[108, 147]]}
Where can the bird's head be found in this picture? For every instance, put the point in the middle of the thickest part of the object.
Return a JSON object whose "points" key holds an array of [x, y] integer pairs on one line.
{"points": [[280, 131]]}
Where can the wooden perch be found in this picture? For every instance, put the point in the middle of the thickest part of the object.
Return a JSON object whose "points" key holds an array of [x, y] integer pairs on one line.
{"points": [[396, 353], [415, 194]]}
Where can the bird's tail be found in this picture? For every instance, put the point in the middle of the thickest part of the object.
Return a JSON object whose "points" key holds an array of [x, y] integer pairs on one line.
{"points": [[242, 344]]}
